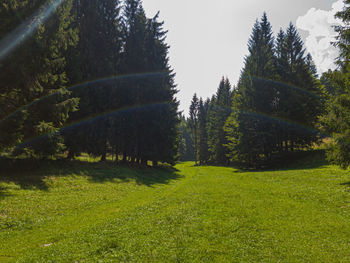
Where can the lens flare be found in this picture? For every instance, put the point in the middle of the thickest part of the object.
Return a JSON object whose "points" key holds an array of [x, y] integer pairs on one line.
{"points": [[288, 86], [285, 122], [264, 116], [90, 118], [26, 29], [85, 84]]}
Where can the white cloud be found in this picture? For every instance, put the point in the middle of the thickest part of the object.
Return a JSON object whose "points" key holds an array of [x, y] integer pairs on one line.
{"points": [[319, 25]]}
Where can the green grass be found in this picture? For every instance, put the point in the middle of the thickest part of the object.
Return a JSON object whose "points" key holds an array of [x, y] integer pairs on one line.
{"points": [[91, 212]]}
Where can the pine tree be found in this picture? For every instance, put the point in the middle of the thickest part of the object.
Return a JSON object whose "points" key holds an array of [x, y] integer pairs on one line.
{"points": [[344, 36], [217, 116], [278, 99], [248, 130], [193, 123], [299, 94], [336, 120], [161, 114], [33, 77], [203, 151], [186, 149], [95, 57]]}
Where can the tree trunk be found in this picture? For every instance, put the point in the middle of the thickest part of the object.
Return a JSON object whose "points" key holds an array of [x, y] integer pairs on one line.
{"points": [[124, 157], [103, 158], [70, 155]]}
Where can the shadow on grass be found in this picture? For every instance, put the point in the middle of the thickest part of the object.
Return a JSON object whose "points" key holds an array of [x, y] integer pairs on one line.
{"points": [[31, 174], [299, 160], [3, 193]]}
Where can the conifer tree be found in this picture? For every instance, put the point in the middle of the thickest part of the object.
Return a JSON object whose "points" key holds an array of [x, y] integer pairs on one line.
{"points": [[193, 123], [336, 120], [299, 93], [203, 151], [248, 131], [33, 77], [95, 57], [217, 116], [277, 97], [186, 149]]}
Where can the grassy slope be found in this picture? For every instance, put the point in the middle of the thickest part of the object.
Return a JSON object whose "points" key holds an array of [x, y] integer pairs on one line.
{"points": [[90, 212]]}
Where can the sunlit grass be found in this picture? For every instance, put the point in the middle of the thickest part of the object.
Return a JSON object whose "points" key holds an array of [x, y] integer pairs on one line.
{"points": [[84, 211]]}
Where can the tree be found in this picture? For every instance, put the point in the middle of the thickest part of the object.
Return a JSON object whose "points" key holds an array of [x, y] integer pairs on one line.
{"points": [[203, 151], [95, 57], [248, 130], [217, 115], [130, 98], [33, 77], [336, 120], [344, 36], [300, 97], [193, 123], [186, 149], [278, 98]]}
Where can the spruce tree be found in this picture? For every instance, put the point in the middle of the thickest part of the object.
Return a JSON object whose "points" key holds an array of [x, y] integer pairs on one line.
{"points": [[299, 95], [186, 149], [203, 151], [217, 116], [95, 57], [33, 77], [248, 130], [336, 120], [278, 99], [193, 123]]}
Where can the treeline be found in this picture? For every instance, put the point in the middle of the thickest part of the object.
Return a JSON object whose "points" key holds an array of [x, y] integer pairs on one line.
{"points": [[204, 127], [279, 105], [336, 120], [86, 76]]}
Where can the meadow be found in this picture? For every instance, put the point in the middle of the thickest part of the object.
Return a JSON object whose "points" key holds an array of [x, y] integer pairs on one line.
{"points": [[83, 211]]}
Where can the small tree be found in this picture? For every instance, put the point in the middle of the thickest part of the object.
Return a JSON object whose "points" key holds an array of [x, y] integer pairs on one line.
{"points": [[193, 122]]}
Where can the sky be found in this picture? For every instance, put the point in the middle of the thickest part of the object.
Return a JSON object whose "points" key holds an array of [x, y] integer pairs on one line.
{"points": [[208, 39]]}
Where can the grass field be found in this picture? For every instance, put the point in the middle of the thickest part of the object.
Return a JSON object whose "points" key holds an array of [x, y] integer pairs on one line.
{"points": [[91, 212]]}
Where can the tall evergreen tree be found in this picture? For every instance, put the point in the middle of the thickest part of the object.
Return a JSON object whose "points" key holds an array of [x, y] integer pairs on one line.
{"points": [[336, 120], [186, 149], [193, 123], [33, 77], [278, 98], [217, 116], [248, 130], [203, 151], [299, 94], [95, 57]]}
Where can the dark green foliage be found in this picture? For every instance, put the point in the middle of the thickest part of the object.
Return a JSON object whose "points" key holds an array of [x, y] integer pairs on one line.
{"points": [[95, 57], [203, 149], [278, 99], [194, 124], [186, 144], [218, 112], [336, 120], [344, 36], [115, 62], [248, 128], [149, 125], [35, 101]]}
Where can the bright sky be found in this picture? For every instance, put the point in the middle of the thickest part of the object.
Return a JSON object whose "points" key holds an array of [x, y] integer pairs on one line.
{"points": [[209, 38]]}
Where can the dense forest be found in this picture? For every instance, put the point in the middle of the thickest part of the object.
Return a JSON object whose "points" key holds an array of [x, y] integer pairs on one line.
{"points": [[93, 76], [86, 76], [279, 106]]}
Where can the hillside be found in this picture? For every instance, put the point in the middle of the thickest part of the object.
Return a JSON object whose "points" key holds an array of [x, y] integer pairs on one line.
{"points": [[85, 212]]}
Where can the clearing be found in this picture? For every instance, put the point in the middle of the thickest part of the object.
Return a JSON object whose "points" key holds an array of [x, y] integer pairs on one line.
{"points": [[88, 212]]}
